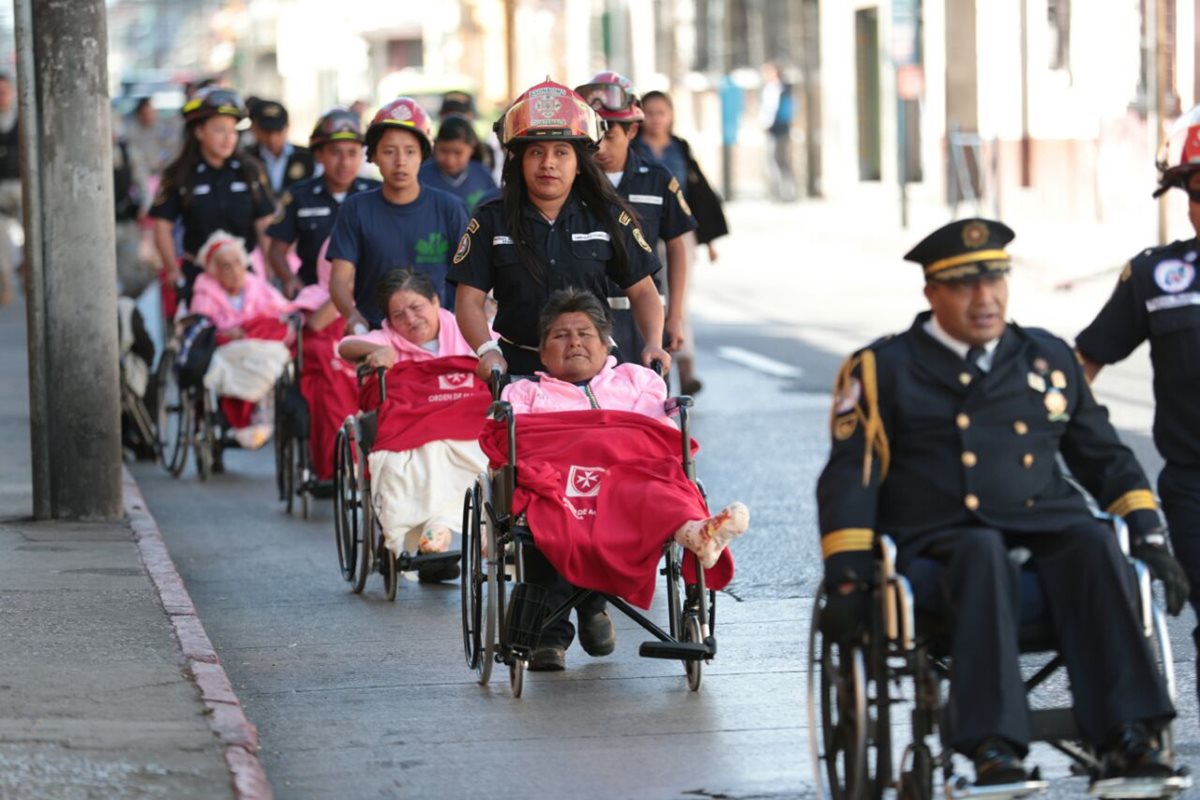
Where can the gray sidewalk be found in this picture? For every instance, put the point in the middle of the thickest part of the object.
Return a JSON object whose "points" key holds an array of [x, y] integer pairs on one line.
{"points": [[96, 698]]}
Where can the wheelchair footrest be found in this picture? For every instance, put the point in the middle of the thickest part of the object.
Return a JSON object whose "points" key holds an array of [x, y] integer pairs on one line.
{"points": [[962, 789], [407, 562], [676, 651], [1140, 787], [321, 490]]}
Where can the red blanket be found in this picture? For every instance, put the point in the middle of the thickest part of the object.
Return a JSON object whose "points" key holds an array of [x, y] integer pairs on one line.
{"points": [[271, 328], [603, 491], [331, 391], [427, 401]]}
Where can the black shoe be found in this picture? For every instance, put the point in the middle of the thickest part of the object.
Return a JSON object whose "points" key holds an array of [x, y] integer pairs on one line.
{"points": [[1133, 753], [997, 763], [597, 636], [441, 571], [548, 659]]}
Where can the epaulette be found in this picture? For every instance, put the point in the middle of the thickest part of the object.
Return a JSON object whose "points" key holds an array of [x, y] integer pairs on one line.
{"points": [[1153, 255]]}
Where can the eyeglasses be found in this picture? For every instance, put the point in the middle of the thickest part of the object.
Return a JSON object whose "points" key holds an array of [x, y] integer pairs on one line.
{"points": [[607, 96]]}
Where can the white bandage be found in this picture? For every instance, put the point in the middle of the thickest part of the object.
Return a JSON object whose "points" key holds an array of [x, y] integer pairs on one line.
{"points": [[490, 346]]}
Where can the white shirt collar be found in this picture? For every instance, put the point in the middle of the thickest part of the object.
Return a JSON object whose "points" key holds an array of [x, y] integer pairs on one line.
{"points": [[934, 329]]}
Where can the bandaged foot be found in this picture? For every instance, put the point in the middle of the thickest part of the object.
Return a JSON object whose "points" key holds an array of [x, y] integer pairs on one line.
{"points": [[707, 538], [434, 540], [252, 437]]}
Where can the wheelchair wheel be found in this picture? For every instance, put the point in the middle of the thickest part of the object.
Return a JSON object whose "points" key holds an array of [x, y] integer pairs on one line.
{"points": [[693, 632], [391, 575], [487, 582], [280, 462], [304, 474], [917, 782], [853, 723], [366, 541], [516, 676], [287, 450], [346, 519], [471, 584], [206, 434]]}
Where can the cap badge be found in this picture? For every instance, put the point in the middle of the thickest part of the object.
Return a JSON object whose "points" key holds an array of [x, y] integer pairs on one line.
{"points": [[975, 234]]}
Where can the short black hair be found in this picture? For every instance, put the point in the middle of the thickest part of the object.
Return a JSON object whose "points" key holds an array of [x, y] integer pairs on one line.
{"points": [[571, 301], [404, 279]]}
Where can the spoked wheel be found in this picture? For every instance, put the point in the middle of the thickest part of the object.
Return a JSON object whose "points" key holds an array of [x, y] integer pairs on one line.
{"points": [[917, 782], [287, 449], [281, 463], [516, 676], [471, 584], [391, 576], [346, 518], [693, 632], [486, 578], [366, 516], [840, 694], [206, 434], [304, 471], [856, 737]]}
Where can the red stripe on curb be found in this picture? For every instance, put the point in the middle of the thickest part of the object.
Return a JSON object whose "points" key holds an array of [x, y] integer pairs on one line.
{"points": [[226, 717]]}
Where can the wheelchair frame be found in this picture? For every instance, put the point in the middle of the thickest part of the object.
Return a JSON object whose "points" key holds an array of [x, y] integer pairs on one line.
{"points": [[498, 629], [293, 460], [194, 409], [852, 748], [360, 542]]}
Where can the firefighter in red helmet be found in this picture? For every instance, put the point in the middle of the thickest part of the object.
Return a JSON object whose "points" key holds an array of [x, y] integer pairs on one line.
{"points": [[1157, 299]]}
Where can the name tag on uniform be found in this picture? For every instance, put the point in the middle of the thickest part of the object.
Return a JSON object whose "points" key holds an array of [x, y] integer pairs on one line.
{"points": [[646, 199], [1166, 301], [318, 211], [502, 240], [237, 186], [203, 188], [601, 236]]}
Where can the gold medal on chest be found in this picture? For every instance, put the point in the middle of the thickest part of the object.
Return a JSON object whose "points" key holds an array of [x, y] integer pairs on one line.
{"points": [[1056, 405]]}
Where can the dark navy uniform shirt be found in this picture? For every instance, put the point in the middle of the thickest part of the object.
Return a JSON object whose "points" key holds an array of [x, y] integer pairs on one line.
{"points": [[576, 252], [923, 447], [378, 236], [306, 214], [230, 198], [656, 196], [1157, 298]]}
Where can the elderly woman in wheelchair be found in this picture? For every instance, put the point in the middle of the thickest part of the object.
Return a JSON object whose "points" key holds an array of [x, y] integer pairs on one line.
{"points": [[422, 448], [603, 509]]}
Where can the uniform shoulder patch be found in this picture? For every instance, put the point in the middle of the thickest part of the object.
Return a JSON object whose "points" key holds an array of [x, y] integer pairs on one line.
{"points": [[1126, 272], [673, 186], [625, 219], [464, 247], [641, 240], [473, 225]]}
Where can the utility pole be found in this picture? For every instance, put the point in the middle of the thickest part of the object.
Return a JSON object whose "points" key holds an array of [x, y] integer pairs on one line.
{"points": [[1159, 97], [510, 47], [70, 258]]}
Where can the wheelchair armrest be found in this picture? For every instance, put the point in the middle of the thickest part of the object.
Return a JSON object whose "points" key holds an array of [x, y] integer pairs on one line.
{"points": [[672, 405], [886, 552], [500, 410], [1120, 529]]}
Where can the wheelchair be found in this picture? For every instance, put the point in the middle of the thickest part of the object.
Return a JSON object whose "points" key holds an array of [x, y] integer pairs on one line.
{"points": [[503, 627], [360, 542], [294, 477], [902, 658], [188, 419]]}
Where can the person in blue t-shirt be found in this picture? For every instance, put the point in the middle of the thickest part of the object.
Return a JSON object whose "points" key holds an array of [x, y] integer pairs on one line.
{"points": [[457, 166], [399, 224]]}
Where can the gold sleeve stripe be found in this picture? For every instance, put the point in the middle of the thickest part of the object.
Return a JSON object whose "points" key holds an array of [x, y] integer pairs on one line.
{"points": [[1137, 500], [847, 540]]}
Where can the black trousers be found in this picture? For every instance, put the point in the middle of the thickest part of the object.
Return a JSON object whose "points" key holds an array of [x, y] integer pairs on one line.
{"points": [[1179, 490], [1089, 591]]}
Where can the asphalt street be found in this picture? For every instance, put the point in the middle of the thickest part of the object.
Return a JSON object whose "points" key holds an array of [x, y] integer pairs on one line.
{"points": [[357, 697]]}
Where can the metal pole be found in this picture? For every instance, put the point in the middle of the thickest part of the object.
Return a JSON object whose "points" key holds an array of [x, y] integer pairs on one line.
{"points": [[902, 152], [510, 47], [1026, 144], [35, 298], [71, 229]]}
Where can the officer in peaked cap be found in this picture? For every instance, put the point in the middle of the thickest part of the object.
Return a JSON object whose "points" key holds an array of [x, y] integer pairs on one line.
{"points": [[284, 162], [947, 438]]}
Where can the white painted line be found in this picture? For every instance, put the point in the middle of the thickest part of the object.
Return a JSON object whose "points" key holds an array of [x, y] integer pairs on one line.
{"points": [[758, 362]]}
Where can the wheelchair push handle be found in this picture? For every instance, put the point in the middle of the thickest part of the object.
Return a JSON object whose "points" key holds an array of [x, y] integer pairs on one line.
{"points": [[657, 366], [497, 381]]}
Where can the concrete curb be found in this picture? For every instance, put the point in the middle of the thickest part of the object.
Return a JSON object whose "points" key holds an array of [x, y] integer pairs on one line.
{"points": [[225, 715]]}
